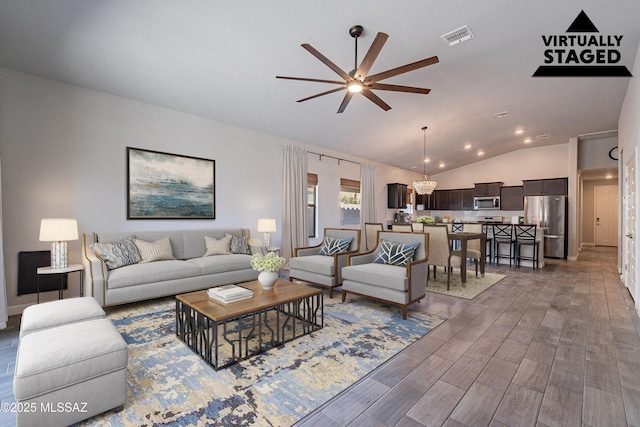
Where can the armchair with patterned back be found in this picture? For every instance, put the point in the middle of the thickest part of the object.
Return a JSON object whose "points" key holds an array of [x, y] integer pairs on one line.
{"points": [[322, 264], [394, 272]]}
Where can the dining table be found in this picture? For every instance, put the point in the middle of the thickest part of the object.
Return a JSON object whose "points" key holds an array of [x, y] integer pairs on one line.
{"points": [[463, 237]]}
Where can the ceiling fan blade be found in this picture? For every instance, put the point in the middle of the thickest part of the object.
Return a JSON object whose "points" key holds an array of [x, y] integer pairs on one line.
{"points": [[320, 94], [345, 101], [373, 97], [372, 54], [397, 88], [403, 69], [304, 79], [326, 61]]}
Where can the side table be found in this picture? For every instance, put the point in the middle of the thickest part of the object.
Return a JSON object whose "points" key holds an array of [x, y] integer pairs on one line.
{"points": [[69, 269]]}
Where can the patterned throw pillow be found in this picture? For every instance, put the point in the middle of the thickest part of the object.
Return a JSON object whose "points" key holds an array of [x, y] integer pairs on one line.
{"points": [[395, 253], [217, 246], [118, 254], [239, 244], [154, 251], [334, 245]]}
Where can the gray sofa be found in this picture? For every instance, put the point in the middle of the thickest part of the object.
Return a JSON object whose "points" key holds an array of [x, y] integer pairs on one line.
{"points": [[190, 271]]}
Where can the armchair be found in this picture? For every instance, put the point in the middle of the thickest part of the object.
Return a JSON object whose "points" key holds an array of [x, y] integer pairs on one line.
{"points": [[310, 266], [393, 283]]}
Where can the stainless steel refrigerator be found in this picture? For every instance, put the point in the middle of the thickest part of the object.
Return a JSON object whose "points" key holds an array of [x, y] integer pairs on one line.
{"points": [[550, 213]]}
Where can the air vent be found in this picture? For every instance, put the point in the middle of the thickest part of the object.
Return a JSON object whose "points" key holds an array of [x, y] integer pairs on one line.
{"points": [[501, 115], [458, 36], [545, 136]]}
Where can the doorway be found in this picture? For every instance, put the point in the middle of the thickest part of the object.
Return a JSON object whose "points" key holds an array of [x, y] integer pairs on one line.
{"points": [[606, 215]]}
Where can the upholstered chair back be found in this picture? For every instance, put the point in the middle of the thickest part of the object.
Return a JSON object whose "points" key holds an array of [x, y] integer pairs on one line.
{"points": [[439, 246]]}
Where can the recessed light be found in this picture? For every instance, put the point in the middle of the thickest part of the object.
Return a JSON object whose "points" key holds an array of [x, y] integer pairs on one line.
{"points": [[427, 160], [609, 176], [519, 131], [528, 140], [441, 165], [480, 153], [467, 147]]}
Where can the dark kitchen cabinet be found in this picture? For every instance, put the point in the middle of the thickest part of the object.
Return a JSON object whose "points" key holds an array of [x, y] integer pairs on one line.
{"points": [[487, 189], [546, 187], [467, 199], [455, 200], [511, 198], [425, 200], [396, 196], [441, 201]]}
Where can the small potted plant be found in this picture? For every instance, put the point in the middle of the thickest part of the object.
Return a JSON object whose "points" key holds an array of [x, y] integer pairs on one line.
{"points": [[447, 218], [268, 266], [424, 219]]}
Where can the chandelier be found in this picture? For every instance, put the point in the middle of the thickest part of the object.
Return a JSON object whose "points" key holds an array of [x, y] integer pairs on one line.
{"points": [[426, 185]]}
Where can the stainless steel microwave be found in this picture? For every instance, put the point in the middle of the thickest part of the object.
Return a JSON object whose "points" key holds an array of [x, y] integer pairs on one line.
{"points": [[490, 202]]}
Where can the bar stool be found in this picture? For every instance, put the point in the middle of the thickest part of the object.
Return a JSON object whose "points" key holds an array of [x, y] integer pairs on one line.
{"points": [[503, 235], [525, 235], [455, 228], [489, 239]]}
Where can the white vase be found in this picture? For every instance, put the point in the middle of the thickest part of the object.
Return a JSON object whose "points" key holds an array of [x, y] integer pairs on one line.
{"points": [[268, 279]]}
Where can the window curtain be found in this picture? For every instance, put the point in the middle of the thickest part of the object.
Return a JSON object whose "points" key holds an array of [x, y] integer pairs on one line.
{"points": [[294, 220], [367, 194], [3, 284]]}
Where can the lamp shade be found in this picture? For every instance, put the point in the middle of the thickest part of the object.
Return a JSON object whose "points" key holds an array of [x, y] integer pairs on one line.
{"points": [[58, 229], [266, 225]]}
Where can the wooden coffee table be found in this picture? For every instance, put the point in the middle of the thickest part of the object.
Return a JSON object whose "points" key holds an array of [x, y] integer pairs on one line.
{"points": [[224, 334]]}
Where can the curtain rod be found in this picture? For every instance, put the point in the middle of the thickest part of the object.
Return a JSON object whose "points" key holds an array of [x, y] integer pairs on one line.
{"points": [[331, 157]]}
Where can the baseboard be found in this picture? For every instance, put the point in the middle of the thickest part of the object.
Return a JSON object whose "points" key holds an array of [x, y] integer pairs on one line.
{"points": [[17, 309], [572, 258], [588, 244]]}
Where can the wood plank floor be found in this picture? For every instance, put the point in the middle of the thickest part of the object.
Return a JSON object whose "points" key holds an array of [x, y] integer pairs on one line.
{"points": [[557, 346], [552, 347]]}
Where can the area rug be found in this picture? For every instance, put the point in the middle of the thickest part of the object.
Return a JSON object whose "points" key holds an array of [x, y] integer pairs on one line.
{"points": [[474, 286], [168, 384]]}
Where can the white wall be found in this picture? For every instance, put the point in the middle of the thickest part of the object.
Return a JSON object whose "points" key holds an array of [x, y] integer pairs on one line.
{"points": [[63, 151], [628, 143], [511, 168], [594, 153]]}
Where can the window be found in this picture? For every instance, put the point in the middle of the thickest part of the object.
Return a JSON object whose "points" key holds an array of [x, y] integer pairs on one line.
{"points": [[312, 198], [349, 201]]}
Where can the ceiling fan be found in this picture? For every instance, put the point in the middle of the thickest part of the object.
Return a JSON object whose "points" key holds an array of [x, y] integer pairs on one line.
{"points": [[357, 81]]}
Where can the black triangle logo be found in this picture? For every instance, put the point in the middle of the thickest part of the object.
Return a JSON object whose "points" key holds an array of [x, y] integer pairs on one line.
{"points": [[582, 24]]}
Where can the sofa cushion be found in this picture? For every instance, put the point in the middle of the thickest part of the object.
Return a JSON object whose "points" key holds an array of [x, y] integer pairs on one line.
{"points": [[222, 263], [239, 244], [117, 254], [215, 246], [320, 264], [154, 251], [383, 275], [394, 253], [159, 271], [333, 245]]}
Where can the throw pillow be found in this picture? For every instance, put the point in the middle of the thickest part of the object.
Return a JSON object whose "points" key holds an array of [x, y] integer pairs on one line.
{"points": [[154, 251], [393, 253], [217, 246], [239, 244], [333, 245], [118, 254]]}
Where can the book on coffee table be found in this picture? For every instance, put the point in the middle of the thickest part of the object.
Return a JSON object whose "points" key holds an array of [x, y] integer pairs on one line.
{"points": [[229, 293]]}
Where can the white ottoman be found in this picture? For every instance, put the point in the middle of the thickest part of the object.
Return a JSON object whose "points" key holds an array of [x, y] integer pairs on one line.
{"points": [[57, 313], [69, 373]]}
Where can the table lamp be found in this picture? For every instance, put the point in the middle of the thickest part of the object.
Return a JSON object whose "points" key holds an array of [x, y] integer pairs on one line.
{"points": [[58, 231], [266, 226]]}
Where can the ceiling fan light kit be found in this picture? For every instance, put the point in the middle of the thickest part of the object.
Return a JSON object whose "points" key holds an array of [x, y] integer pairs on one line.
{"points": [[359, 80], [426, 185]]}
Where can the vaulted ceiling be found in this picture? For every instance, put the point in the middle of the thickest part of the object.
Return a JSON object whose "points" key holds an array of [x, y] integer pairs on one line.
{"points": [[219, 59]]}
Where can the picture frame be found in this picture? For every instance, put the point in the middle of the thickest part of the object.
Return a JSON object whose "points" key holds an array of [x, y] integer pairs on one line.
{"points": [[169, 186]]}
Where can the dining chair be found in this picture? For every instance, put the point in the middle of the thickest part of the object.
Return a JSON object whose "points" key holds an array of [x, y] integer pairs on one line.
{"points": [[473, 246], [440, 251], [488, 233], [417, 226], [371, 234], [503, 235], [525, 235], [401, 227]]}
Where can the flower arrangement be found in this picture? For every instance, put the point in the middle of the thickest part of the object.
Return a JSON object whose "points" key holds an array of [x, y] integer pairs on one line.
{"points": [[424, 219], [269, 262]]}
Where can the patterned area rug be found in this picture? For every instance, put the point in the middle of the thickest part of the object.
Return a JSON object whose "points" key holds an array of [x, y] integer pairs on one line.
{"points": [[168, 384], [474, 286]]}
